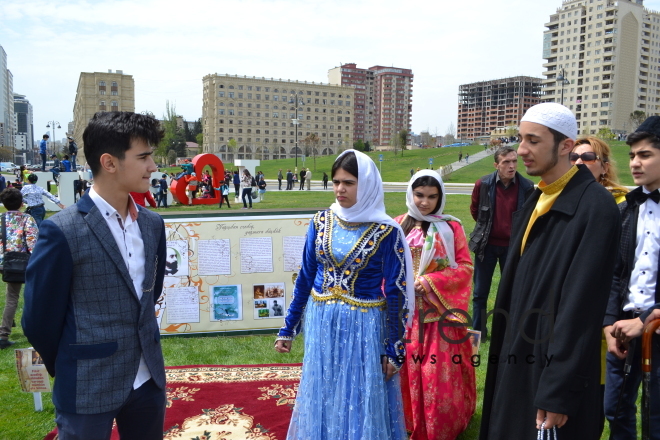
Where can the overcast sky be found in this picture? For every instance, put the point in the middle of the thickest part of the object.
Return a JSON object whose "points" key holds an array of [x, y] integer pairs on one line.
{"points": [[168, 46]]}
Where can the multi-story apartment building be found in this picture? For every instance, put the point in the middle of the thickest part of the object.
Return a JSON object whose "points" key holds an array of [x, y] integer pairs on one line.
{"points": [[486, 106], [260, 115], [24, 129], [100, 91], [383, 100], [362, 80], [392, 102], [603, 61], [6, 102]]}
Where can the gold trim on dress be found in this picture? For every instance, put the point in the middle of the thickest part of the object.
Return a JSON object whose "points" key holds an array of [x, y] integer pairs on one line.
{"points": [[336, 293]]}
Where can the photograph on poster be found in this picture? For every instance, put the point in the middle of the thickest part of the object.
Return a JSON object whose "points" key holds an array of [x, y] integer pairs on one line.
{"points": [[268, 300], [227, 303], [176, 258], [182, 305], [214, 257], [293, 250], [256, 255]]}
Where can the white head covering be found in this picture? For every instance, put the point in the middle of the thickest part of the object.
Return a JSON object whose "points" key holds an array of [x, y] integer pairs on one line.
{"points": [[370, 207], [438, 221], [555, 116]]}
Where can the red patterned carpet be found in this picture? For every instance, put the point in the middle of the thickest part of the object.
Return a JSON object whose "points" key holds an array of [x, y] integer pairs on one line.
{"points": [[239, 402]]}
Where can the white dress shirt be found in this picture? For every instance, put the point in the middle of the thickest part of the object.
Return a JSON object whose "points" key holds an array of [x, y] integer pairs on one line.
{"points": [[129, 241], [643, 278]]}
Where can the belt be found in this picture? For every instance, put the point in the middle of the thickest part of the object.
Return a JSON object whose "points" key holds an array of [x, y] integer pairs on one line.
{"points": [[35, 206]]}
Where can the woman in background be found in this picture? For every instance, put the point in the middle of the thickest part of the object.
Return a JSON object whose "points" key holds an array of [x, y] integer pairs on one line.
{"points": [[439, 395], [246, 185]]}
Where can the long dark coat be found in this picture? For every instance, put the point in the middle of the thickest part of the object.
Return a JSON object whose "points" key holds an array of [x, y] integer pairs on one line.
{"points": [[547, 353]]}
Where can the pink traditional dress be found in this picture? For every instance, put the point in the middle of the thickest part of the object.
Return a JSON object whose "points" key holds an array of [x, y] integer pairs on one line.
{"points": [[438, 379]]}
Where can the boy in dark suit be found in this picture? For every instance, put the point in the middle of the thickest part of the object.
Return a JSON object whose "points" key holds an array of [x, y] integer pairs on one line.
{"points": [[635, 291], [91, 285]]}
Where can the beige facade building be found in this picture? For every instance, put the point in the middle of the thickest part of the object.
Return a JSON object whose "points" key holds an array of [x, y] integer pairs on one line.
{"points": [[603, 61], [99, 91], [260, 115]]}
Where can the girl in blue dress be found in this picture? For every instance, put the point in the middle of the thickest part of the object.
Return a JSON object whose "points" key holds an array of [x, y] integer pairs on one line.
{"points": [[351, 297]]}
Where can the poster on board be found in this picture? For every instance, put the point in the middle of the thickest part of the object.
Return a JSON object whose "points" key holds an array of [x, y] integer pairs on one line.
{"points": [[223, 259]]}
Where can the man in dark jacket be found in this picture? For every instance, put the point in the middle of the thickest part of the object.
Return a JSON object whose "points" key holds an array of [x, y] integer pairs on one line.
{"points": [[544, 359], [635, 289], [495, 197], [73, 152], [303, 173], [289, 180]]}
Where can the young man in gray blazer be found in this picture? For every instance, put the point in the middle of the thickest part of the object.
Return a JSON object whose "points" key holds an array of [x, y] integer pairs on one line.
{"points": [[91, 285]]}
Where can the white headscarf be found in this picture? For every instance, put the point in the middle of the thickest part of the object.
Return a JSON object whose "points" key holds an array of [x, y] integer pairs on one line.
{"points": [[370, 207], [438, 221]]}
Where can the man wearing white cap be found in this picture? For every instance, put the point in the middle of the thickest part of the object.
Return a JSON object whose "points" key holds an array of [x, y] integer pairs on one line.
{"points": [[544, 359]]}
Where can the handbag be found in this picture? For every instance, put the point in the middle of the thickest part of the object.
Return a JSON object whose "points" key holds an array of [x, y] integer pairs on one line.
{"points": [[14, 263]]}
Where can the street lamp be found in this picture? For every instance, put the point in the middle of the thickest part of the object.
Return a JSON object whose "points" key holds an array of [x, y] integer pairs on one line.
{"points": [[58, 126], [562, 78], [295, 99]]}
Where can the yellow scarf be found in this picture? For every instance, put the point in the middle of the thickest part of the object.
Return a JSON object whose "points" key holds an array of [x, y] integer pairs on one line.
{"points": [[547, 199]]}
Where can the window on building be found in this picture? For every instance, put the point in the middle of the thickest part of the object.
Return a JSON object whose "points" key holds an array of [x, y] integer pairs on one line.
{"points": [[231, 94], [114, 106], [102, 106], [221, 94]]}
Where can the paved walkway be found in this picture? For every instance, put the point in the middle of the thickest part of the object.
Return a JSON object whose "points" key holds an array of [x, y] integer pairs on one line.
{"points": [[473, 158]]}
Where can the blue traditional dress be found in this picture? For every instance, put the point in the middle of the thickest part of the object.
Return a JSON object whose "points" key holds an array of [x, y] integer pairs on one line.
{"points": [[351, 291]]}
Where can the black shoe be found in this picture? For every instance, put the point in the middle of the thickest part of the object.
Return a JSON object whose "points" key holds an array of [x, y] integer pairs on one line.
{"points": [[4, 343]]}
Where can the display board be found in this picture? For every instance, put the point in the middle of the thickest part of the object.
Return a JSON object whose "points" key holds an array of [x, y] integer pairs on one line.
{"points": [[230, 273]]}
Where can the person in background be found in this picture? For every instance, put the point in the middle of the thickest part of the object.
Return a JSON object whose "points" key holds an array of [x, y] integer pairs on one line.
{"points": [[597, 156], [223, 194], [43, 146], [237, 184], [56, 168], [3, 183], [21, 236], [308, 179], [289, 180], [191, 186], [33, 196], [325, 180], [303, 173], [246, 185], [279, 179], [262, 187], [495, 197], [143, 198], [66, 163], [162, 191], [443, 271], [73, 152]]}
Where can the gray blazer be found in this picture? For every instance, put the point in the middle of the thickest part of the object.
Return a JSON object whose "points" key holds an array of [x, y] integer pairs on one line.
{"points": [[82, 313]]}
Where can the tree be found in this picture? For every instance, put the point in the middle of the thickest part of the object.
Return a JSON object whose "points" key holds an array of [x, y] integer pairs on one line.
{"points": [[171, 157], [367, 146], [199, 138], [636, 119], [606, 134], [311, 142], [231, 147], [511, 130], [359, 145], [174, 137], [402, 138]]}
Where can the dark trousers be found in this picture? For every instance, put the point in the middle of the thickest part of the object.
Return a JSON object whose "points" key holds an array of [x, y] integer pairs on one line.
{"points": [[43, 161], [222, 199], [483, 278], [289, 184], [247, 192], [38, 213], [237, 189], [162, 199], [302, 183], [624, 426], [325, 184], [279, 181], [73, 162], [140, 418]]}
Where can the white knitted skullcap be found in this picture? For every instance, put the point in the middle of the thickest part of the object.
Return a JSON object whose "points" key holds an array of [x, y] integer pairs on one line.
{"points": [[555, 116]]}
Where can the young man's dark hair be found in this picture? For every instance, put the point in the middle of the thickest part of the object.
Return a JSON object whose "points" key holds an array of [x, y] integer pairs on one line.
{"points": [[32, 178], [11, 198], [502, 151], [112, 133], [638, 136], [46, 136], [557, 136]]}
